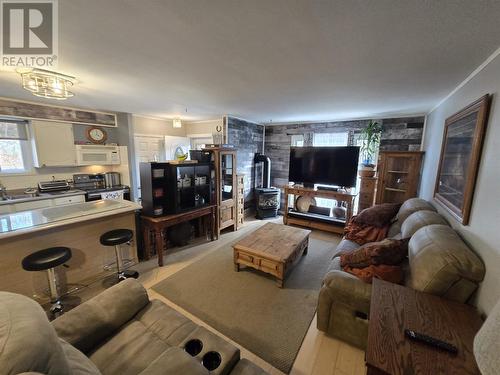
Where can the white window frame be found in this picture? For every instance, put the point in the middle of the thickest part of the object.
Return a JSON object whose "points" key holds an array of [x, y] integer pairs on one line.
{"points": [[297, 140], [332, 135], [27, 156]]}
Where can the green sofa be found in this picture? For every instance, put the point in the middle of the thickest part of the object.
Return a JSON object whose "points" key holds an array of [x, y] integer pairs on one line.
{"points": [[120, 331], [439, 262]]}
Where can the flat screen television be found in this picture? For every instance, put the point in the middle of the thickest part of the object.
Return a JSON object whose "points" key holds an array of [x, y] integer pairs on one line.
{"points": [[324, 165]]}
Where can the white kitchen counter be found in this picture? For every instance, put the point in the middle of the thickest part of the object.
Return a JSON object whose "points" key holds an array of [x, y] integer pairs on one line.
{"points": [[18, 223]]}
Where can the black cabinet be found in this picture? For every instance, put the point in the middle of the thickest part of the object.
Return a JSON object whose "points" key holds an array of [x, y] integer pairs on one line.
{"points": [[174, 188]]}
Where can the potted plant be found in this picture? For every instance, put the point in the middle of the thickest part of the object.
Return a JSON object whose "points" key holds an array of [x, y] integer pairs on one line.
{"points": [[370, 137]]}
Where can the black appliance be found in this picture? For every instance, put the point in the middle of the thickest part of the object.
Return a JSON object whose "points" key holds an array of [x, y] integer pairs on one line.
{"points": [[324, 165], [94, 185], [267, 197]]}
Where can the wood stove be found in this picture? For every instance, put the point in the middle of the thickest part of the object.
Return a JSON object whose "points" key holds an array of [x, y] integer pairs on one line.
{"points": [[267, 198]]}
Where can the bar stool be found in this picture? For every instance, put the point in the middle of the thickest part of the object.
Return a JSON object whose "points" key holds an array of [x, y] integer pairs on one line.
{"points": [[116, 238], [47, 260]]}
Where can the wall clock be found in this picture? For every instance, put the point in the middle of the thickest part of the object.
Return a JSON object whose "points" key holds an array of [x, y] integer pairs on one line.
{"points": [[96, 135]]}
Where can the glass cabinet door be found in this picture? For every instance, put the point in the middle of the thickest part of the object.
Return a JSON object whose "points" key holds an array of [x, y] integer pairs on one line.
{"points": [[227, 166]]}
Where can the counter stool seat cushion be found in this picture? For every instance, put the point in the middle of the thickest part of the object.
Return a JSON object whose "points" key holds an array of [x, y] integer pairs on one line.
{"points": [[46, 258], [116, 237]]}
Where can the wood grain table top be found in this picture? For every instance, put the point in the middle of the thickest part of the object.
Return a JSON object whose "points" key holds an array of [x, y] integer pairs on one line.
{"points": [[394, 308], [273, 241]]}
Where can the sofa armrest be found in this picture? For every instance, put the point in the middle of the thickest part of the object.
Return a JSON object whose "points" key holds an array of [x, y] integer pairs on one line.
{"points": [[343, 307], [346, 288], [93, 321]]}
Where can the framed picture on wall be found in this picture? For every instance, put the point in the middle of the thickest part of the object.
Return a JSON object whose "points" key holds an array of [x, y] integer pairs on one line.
{"points": [[460, 156]]}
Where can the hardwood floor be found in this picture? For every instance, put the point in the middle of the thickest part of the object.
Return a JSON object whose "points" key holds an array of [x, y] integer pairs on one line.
{"points": [[318, 355]]}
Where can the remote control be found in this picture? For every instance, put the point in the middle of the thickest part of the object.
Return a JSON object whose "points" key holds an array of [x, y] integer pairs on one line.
{"points": [[431, 341]]}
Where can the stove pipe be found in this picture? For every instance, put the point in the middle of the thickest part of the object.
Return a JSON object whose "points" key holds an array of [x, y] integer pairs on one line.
{"points": [[266, 177]]}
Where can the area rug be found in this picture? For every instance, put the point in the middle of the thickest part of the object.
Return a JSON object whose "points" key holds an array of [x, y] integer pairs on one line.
{"points": [[247, 306]]}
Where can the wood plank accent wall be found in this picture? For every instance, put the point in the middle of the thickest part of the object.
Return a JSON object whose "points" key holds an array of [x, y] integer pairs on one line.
{"points": [[399, 134], [52, 113]]}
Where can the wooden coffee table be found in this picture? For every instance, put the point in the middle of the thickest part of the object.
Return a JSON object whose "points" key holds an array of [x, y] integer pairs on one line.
{"points": [[273, 249]]}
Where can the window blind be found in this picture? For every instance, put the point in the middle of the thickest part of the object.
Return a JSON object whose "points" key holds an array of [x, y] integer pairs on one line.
{"points": [[13, 129]]}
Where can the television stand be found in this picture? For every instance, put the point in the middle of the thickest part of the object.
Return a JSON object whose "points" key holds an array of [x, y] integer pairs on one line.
{"points": [[291, 217], [328, 188]]}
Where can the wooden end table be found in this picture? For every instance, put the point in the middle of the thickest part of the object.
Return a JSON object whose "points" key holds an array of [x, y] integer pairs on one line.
{"points": [[394, 308], [154, 228], [273, 249]]}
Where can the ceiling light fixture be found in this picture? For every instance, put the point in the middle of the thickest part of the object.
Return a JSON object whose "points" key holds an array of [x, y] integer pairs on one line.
{"points": [[47, 84], [177, 123]]}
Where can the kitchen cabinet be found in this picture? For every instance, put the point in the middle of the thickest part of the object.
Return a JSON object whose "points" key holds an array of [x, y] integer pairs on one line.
{"points": [[53, 144], [68, 200]]}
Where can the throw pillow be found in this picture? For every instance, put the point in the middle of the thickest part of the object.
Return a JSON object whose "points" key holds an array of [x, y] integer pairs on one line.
{"points": [[388, 251], [379, 215], [393, 274]]}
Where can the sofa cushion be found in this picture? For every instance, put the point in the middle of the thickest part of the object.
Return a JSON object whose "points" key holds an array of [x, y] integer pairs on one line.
{"points": [[79, 363], [418, 220], [151, 332], [442, 264], [88, 324], [345, 246], [28, 343], [413, 205]]}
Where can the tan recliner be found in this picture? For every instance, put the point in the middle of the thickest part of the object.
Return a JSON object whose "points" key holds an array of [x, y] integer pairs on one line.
{"points": [[439, 262]]}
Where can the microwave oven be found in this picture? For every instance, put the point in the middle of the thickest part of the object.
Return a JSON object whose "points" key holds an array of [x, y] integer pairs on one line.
{"points": [[97, 155]]}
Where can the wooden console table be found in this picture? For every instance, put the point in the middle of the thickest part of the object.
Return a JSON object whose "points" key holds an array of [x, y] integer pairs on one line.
{"points": [[154, 228], [394, 308], [309, 192]]}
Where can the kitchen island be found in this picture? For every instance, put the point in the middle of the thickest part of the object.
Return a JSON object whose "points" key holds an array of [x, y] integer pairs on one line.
{"points": [[76, 226]]}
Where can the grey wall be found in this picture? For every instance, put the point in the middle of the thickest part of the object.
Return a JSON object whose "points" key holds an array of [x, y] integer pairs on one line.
{"points": [[482, 232], [247, 137], [401, 134]]}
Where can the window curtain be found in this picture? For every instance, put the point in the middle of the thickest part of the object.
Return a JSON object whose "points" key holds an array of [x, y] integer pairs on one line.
{"points": [[13, 129]]}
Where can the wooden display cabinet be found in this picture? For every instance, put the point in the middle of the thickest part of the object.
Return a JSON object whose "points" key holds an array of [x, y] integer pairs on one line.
{"points": [[398, 176], [224, 161]]}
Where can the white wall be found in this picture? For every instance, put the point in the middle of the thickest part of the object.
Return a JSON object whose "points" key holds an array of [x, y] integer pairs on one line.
{"points": [[483, 232], [203, 127], [148, 125]]}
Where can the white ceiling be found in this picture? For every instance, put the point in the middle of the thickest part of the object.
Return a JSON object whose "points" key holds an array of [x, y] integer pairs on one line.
{"points": [[285, 60]]}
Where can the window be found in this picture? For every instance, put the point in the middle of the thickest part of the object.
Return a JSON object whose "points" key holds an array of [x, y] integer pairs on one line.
{"points": [[15, 150], [331, 139], [297, 140]]}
